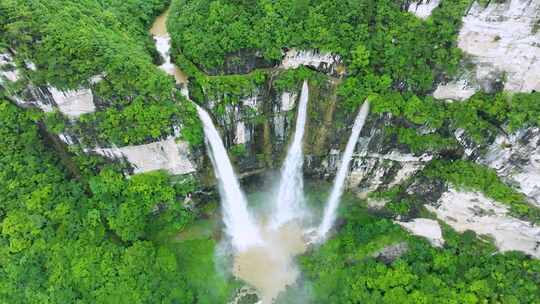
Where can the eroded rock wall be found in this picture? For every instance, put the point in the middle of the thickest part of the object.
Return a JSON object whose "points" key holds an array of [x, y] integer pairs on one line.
{"points": [[473, 211], [502, 42]]}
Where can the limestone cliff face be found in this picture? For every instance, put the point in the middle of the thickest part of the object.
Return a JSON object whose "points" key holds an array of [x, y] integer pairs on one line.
{"points": [[516, 158], [501, 40], [257, 131], [167, 154]]}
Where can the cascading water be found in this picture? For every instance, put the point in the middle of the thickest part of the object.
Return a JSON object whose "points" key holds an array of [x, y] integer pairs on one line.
{"points": [[337, 190], [163, 45], [291, 189], [238, 222], [264, 254]]}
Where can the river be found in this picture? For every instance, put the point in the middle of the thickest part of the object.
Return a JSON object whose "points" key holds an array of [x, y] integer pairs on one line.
{"points": [[163, 45]]}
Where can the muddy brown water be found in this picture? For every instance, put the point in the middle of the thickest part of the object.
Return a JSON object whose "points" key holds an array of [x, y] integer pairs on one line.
{"points": [[163, 45], [271, 268]]}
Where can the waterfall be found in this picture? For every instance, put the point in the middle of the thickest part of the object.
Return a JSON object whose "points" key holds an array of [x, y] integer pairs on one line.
{"points": [[337, 190], [238, 222], [291, 189]]}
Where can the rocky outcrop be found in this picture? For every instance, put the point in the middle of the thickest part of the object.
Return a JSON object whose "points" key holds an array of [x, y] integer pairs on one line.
{"points": [[502, 39], [391, 253], [327, 63], [242, 62], [429, 229], [503, 43], [455, 90], [8, 71], [473, 211], [516, 158], [379, 162], [73, 103], [423, 8], [169, 154]]}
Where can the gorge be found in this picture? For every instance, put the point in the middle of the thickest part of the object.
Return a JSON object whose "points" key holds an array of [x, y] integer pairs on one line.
{"points": [[203, 151]]}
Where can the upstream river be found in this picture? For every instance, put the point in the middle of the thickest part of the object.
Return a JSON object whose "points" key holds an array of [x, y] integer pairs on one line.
{"points": [[163, 45]]}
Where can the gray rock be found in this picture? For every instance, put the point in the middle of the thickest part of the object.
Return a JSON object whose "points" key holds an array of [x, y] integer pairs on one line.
{"points": [[391, 253]]}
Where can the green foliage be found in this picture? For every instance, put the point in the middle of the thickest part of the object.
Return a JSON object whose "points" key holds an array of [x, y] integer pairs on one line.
{"points": [[464, 271], [481, 116], [360, 58], [72, 41], [238, 150], [476, 177], [291, 80], [426, 112], [432, 142], [199, 260], [55, 122], [59, 241], [230, 89], [410, 52], [128, 204], [135, 124]]}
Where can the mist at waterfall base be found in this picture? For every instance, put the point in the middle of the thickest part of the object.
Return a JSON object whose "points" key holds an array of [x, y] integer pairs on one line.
{"points": [[264, 244], [289, 198]]}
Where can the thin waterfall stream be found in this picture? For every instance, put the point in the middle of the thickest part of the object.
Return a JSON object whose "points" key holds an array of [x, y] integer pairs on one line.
{"points": [[290, 196], [330, 211]]}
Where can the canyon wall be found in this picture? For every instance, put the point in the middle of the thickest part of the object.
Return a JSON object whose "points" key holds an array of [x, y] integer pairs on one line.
{"points": [[502, 43]]}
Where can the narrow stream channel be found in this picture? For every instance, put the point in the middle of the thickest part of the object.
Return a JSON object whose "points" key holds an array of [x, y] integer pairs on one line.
{"points": [[163, 45]]}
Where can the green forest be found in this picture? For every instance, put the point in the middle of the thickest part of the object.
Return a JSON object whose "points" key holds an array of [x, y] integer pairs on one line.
{"points": [[75, 228]]}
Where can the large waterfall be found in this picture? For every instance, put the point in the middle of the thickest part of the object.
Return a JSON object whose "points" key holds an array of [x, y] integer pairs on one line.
{"points": [[337, 190], [290, 195], [238, 222]]}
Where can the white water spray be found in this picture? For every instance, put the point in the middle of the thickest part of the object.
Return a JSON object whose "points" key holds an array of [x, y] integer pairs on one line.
{"points": [[337, 190], [238, 222], [290, 195]]}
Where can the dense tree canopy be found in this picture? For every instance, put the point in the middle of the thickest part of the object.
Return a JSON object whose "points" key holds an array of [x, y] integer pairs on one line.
{"points": [[375, 37], [73, 42], [63, 242], [344, 270], [84, 233]]}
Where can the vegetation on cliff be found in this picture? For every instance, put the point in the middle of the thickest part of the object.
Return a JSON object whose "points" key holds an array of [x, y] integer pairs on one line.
{"points": [[95, 236], [72, 42], [346, 269], [403, 48], [65, 241]]}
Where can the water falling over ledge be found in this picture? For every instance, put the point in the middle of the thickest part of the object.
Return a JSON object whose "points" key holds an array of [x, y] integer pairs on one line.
{"points": [[290, 196], [239, 224], [330, 211], [265, 249]]}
